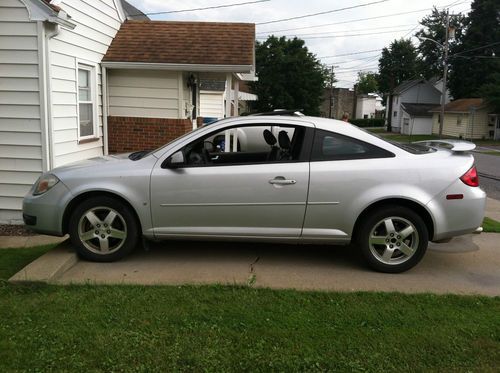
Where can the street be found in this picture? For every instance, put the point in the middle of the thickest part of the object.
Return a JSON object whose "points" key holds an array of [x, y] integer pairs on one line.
{"points": [[488, 167]]}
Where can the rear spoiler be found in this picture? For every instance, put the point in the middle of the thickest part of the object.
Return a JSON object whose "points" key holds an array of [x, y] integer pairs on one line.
{"points": [[453, 145]]}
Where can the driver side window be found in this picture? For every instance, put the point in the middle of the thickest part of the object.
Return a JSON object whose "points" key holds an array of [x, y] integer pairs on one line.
{"points": [[246, 145]]}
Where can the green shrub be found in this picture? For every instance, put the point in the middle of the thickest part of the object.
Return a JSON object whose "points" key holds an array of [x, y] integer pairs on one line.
{"points": [[370, 122]]}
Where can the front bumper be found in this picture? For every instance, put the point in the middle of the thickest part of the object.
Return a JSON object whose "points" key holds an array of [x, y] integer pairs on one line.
{"points": [[44, 213]]}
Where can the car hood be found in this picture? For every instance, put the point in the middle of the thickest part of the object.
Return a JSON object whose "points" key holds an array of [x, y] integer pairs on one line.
{"points": [[102, 165]]}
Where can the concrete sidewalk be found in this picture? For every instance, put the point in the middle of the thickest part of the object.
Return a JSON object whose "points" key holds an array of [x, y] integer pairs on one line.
{"points": [[467, 265], [29, 241], [492, 209]]}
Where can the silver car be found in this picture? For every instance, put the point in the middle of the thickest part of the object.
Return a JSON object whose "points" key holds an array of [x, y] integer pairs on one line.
{"points": [[273, 178]]}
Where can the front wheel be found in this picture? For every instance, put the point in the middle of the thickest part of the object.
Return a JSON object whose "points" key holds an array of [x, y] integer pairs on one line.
{"points": [[393, 239], [103, 230]]}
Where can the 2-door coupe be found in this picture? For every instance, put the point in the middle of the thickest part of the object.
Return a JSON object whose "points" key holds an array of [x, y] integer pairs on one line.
{"points": [[274, 178]]}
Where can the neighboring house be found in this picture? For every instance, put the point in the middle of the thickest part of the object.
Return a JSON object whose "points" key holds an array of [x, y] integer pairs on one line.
{"points": [[416, 119], [56, 93], [418, 91], [337, 102], [213, 97], [469, 118], [368, 105]]}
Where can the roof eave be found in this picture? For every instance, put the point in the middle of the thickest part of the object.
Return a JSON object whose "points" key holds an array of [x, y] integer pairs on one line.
{"points": [[178, 66]]}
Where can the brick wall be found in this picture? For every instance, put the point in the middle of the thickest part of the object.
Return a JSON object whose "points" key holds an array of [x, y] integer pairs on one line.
{"points": [[128, 134]]}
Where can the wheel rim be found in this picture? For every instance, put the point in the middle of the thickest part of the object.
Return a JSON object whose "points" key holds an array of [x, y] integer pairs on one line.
{"points": [[393, 240], [102, 230]]}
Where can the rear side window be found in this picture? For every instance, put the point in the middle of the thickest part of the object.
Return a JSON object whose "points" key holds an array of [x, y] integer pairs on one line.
{"points": [[330, 146]]}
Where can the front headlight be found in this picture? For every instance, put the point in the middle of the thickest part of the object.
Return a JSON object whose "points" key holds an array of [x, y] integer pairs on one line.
{"points": [[45, 183]]}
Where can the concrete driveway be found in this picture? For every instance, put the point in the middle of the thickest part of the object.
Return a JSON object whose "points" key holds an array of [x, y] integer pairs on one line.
{"points": [[467, 265]]}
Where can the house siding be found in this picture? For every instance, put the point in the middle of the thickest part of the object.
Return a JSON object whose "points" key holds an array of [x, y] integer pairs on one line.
{"points": [[475, 127], [20, 115], [96, 22], [212, 104], [144, 93]]}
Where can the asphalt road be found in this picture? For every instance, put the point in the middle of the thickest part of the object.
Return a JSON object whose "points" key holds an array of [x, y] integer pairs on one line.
{"points": [[488, 167]]}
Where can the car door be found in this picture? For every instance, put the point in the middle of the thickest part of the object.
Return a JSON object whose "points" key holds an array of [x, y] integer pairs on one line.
{"points": [[247, 196]]}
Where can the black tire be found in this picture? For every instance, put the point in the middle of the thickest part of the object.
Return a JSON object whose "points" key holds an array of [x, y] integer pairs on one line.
{"points": [[124, 222], [398, 261]]}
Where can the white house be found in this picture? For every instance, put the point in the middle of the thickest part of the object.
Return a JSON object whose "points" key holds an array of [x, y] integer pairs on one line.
{"points": [[58, 92], [416, 118], [418, 91], [368, 105]]}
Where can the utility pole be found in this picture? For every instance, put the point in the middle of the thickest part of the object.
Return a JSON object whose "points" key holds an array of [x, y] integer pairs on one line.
{"points": [[445, 72], [331, 91]]}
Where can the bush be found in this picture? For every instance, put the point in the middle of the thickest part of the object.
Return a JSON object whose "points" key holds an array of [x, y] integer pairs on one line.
{"points": [[370, 122]]}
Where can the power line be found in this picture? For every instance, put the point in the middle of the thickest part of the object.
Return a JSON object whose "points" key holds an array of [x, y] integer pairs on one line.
{"points": [[321, 13], [351, 54], [356, 20], [475, 49], [348, 35], [204, 8], [361, 29]]}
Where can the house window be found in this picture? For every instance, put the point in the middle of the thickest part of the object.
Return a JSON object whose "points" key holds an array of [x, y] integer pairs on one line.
{"points": [[395, 114], [86, 102], [459, 119]]}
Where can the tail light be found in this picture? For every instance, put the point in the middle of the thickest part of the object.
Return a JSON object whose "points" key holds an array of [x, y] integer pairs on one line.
{"points": [[470, 178]]}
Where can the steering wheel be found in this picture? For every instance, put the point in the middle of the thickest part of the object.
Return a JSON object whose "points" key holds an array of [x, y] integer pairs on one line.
{"points": [[212, 145]]}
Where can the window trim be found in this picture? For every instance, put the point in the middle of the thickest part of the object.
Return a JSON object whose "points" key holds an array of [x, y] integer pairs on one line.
{"points": [[93, 86]]}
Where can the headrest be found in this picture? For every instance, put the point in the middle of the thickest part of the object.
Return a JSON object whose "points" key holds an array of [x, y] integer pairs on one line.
{"points": [[269, 137], [284, 140]]}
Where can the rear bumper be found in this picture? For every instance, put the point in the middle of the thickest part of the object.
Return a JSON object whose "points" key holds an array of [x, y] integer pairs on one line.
{"points": [[455, 217]]}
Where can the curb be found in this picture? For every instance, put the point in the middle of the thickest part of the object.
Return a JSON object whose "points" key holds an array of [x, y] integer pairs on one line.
{"points": [[49, 267]]}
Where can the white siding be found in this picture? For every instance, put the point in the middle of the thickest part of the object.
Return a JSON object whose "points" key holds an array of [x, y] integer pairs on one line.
{"points": [[20, 126], [464, 125], [97, 22], [212, 104], [143, 93]]}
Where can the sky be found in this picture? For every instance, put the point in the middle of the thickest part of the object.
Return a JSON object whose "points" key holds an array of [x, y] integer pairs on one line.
{"points": [[332, 37]]}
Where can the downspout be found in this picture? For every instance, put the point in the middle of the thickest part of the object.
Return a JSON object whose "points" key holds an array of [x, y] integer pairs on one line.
{"points": [[48, 97], [42, 79], [104, 82]]}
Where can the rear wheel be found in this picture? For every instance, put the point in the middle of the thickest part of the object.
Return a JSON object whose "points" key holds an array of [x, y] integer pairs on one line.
{"points": [[103, 230], [393, 239]]}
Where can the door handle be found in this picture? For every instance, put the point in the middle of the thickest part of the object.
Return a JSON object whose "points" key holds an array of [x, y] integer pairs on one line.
{"points": [[280, 180]]}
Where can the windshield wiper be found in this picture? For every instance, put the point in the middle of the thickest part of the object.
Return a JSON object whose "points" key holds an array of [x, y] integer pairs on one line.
{"points": [[138, 155]]}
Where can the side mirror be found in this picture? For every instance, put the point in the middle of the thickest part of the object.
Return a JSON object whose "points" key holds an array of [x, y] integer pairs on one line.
{"points": [[176, 160]]}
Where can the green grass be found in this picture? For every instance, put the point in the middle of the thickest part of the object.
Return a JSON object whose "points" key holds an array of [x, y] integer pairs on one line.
{"points": [[215, 328], [491, 225], [13, 260], [491, 153]]}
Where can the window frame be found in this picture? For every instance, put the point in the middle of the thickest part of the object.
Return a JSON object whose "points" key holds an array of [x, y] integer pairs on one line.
{"points": [[383, 152], [93, 86], [304, 156]]}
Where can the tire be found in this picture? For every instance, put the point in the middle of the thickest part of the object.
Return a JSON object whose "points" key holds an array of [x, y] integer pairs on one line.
{"points": [[392, 239], [103, 229]]}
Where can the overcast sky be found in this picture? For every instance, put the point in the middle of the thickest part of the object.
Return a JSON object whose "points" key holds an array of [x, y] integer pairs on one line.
{"points": [[333, 39]]}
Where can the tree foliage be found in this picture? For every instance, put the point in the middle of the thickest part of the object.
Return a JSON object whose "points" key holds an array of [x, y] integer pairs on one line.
{"points": [[399, 62], [290, 77], [367, 82], [474, 62], [435, 28]]}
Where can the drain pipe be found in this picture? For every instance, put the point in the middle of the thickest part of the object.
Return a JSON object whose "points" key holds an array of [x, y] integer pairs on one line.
{"points": [[49, 34]]}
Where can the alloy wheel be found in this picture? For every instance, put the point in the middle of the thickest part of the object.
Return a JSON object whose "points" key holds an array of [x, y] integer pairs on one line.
{"points": [[102, 230], [393, 240]]}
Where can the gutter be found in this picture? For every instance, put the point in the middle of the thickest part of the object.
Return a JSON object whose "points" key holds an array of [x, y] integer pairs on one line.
{"points": [[178, 67]]}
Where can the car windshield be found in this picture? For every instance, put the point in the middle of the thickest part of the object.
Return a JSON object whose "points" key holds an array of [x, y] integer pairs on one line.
{"points": [[144, 153]]}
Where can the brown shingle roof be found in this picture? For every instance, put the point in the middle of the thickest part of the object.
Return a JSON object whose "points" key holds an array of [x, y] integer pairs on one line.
{"points": [[461, 105], [55, 8], [183, 43]]}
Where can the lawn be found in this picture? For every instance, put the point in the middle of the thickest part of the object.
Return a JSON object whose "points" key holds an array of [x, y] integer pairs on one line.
{"points": [[491, 225], [230, 328], [12, 260]]}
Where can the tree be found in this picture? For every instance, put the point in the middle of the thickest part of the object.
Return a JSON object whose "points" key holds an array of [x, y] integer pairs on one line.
{"points": [[367, 82], [474, 62], [491, 92], [435, 28], [290, 77], [399, 62]]}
